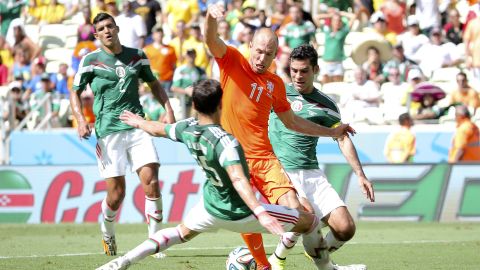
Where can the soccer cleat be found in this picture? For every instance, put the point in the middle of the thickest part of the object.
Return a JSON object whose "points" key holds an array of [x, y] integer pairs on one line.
{"points": [[350, 267], [159, 255], [119, 263], [276, 263], [109, 245]]}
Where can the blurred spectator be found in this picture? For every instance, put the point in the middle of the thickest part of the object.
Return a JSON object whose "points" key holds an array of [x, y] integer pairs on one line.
{"points": [[41, 111], [379, 23], [280, 12], [195, 41], [180, 10], [233, 15], [224, 31], [333, 56], [10, 10], [60, 80], [86, 30], [100, 6], [151, 107], [21, 64], [466, 141], [4, 74], [132, 27], [394, 93], [6, 53], [365, 93], [305, 14], [37, 71], [20, 38], [178, 41], [283, 66], [337, 5], [46, 12], [435, 54], [163, 59], [81, 49], [373, 66], [464, 94], [249, 18], [399, 61], [297, 32], [148, 10], [412, 39], [454, 28], [471, 39], [184, 77], [245, 39], [428, 96], [400, 145], [87, 108], [394, 11], [18, 106], [428, 13]]}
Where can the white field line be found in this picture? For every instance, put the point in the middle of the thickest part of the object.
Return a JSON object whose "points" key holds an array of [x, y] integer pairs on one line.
{"points": [[230, 248]]}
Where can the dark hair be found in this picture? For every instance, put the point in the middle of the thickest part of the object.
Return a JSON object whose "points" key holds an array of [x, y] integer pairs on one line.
{"points": [[305, 52], [463, 74], [206, 96], [403, 118], [101, 17]]}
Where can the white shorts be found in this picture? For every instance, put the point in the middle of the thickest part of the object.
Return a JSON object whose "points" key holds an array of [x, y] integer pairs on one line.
{"points": [[331, 69], [314, 186], [131, 147], [199, 220]]}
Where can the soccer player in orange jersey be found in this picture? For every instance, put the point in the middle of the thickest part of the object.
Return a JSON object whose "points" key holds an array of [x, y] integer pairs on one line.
{"points": [[250, 93]]}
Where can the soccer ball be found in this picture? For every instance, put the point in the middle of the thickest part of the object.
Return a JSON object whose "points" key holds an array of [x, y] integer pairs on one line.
{"points": [[241, 259]]}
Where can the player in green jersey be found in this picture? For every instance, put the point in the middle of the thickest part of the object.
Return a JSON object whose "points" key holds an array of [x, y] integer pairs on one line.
{"points": [[228, 199], [113, 72], [297, 154]]}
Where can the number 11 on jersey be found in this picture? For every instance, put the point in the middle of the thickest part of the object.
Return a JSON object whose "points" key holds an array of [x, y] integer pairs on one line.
{"points": [[259, 91]]}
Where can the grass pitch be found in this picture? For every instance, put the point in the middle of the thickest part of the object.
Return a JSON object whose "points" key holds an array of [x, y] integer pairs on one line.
{"points": [[379, 245]]}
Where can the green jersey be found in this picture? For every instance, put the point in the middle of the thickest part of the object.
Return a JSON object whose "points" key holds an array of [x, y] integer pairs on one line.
{"points": [[214, 150], [114, 80], [296, 35], [295, 150]]}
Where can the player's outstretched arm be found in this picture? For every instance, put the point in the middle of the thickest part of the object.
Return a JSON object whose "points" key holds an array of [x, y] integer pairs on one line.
{"points": [[301, 125], [83, 127], [153, 128], [348, 150], [160, 94], [216, 46], [242, 186]]}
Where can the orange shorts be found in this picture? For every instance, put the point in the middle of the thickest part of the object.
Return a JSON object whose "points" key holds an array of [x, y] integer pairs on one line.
{"points": [[268, 176]]}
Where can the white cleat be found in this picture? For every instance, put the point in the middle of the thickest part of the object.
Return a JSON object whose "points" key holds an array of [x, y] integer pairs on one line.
{"points": [[350, 267], [120, 263]]}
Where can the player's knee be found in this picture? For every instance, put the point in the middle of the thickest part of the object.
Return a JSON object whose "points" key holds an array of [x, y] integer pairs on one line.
{"points": [[305, 223], [151, 188], [116, 198], [345, 231]]}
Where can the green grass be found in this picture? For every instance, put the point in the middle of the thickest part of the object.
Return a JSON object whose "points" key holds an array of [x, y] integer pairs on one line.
{"points": [[379, 245]]}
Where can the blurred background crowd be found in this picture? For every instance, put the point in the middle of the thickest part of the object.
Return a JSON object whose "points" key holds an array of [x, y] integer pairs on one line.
{"points": [[378, 58]]}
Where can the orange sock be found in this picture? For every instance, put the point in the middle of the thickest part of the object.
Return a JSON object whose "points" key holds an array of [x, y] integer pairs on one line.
{"points": [[254, 243]]}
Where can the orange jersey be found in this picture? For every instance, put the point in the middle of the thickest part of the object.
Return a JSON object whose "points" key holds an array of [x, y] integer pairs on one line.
{"points": [[162, 60], [248, 98], [467, 138]]}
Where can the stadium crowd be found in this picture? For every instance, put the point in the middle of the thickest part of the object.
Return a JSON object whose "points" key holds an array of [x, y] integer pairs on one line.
{"points": [[378, 58]]}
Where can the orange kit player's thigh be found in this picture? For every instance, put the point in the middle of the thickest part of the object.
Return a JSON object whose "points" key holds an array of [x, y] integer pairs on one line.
{"points": [[268, 176]]}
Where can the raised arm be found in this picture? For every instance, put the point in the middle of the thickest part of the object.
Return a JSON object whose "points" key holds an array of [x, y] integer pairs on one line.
{"points": [[348, 150], [298, 124], [159, 93], [153, 128], [242, 186], [216, 46]]}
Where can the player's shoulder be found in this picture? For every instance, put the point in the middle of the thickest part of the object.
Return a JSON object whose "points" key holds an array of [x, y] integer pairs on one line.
{"points": [[133, 51], [324, 100], [91, 56], [219, 136]]}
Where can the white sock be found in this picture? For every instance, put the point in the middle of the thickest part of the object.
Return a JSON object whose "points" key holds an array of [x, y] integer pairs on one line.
{"points": [[160, 241], [287, 242], [316, 246], [153, 214], [109, 215], [332, 242]]}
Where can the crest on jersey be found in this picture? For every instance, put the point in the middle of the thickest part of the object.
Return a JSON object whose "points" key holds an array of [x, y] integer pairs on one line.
{"points": [[120, 71], [270, 87], [296, 106]]}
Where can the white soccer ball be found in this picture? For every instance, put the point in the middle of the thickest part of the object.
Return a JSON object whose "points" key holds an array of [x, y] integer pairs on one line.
{"points": [[241, 259]]}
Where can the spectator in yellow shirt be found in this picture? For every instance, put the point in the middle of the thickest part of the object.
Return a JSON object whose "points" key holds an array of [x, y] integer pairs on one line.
{"points": [[466, 141], [464, 94], [400, 145]]}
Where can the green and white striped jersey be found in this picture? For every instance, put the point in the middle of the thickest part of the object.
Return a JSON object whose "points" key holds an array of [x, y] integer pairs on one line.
{"points": [[295, 150], [214, 150], [114, 80]]}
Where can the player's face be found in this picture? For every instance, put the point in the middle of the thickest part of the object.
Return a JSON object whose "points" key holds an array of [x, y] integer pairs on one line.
{"points": [[106, 32], [262, 53], [302, 74]]}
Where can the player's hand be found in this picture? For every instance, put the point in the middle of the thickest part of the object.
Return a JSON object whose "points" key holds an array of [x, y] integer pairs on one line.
{"points": [[169, 118], [367, 188], [131, 119], [343, 130], [84, 130], [217, 11], [270, 223]]}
